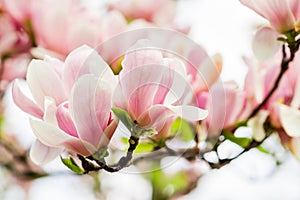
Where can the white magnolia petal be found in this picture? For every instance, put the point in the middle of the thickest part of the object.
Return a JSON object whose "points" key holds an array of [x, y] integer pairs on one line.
{"points": [[49, 134], [23, 102], [44, 81], [295, 147], [256, 123], [265, 43], [50, 111], [189, 113], [290, 119], [41, 154]]}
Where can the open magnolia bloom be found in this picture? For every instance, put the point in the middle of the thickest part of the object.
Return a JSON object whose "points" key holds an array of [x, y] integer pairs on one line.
{"points": [[154, 90], [284, 15], [72, 104]]}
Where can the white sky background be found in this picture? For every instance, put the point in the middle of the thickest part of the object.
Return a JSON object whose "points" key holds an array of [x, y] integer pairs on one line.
{"points": [[221, 26]]}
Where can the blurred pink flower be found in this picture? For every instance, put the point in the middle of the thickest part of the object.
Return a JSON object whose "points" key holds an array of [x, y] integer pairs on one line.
{"points": [[145, 13], [19, 10], [284, 15], [12, 38], [72, 101], [15, 67], [154, 90], [161, 12], [226, 104], [63, 25], [261, 78]]}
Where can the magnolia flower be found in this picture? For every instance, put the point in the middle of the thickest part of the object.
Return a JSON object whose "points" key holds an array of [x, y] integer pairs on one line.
{"points": [[15, 67], [19, 10], [203, 70], [72, 104], [260, 80], [161, 12], [226, 104], [12, 38], [145, 13], [73, 23], [153, 89], [284, 15]]}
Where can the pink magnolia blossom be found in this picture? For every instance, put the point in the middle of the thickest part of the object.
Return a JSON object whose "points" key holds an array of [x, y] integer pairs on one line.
{"points": [[145, 13], [153, 89], [265, 43], [19, 10], [226, 104], [160, 12], [284, 15], [63, 25], [261, 78], [12, 38], [15, 67], [72, 104]]}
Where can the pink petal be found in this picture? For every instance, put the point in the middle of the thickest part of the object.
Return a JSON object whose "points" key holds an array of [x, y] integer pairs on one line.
{"points": [[82, 109], [175, 66], [48, 134], [23, 102], [265, 43], [296, 99], [208, 73], [51, 136], [41, 154], [140, 55], [65, 121], [85, 60], [138, 88], [278, 12], [103, 103], [158, 115], [43, 81], [295, 6]]}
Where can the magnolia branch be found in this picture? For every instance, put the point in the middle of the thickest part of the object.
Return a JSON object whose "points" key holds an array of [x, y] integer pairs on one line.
{"points": [[88, 165]]}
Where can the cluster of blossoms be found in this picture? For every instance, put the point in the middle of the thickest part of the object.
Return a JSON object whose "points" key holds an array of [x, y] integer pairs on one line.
{"points": [[91, 72]]}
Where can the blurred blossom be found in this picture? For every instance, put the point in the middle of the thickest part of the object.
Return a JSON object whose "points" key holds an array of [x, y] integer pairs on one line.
{"points": [[284, 15], [15, 67], [62, 26], [260, 79], [161, 12], [265, 43], [12, 38], [226, 104], [153, 89], [72, 101], [19, 10]]}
